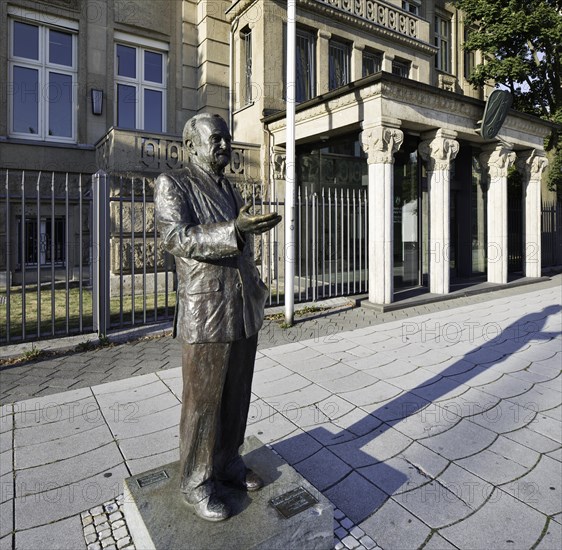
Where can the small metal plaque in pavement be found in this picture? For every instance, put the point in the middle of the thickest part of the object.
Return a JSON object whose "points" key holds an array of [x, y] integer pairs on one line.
{"points": [[153, 478], [294, 502]]}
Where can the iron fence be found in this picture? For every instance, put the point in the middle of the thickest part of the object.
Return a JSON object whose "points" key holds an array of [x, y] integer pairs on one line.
{"points": [[45, 260], [551, 232]]}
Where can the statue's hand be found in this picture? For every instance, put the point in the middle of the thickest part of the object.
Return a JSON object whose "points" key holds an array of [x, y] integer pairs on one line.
{"points": [[255, 223]]}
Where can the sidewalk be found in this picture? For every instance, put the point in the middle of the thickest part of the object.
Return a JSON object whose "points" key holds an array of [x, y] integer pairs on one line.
{"points": [[434, 427]]}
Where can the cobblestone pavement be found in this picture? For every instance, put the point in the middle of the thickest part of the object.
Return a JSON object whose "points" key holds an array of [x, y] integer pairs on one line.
{"points": [[436, 427]]}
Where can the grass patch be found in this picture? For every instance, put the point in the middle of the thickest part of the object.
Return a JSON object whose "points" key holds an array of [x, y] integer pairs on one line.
{"points": [[51, 306]]}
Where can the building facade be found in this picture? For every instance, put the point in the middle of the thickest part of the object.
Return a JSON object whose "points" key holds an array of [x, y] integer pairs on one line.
{"points": [[384, 106]]}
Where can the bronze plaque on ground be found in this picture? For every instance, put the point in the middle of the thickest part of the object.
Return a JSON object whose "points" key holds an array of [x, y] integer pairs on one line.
{"points": [[292, 503]]}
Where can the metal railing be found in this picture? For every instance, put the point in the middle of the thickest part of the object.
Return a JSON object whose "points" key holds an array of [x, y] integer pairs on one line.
{"points": [[331, 253], [92, 259], [45, 259], [551, 233]]}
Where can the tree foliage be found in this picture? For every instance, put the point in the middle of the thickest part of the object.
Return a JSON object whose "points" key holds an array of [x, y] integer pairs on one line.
{"points": [[521, 42]]}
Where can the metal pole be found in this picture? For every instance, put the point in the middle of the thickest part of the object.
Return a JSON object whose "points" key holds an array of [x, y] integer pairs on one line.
{"points": [[290, 165]]}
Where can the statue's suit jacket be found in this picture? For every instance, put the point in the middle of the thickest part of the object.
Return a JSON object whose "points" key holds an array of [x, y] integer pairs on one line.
{"points": [[220, 296]]}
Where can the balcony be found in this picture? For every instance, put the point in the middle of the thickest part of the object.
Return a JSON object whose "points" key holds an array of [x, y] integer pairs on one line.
{"points": [[384, 17]]}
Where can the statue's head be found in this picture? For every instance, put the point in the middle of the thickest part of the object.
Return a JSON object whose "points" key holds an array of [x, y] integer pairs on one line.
{"points": [[207, 140]]}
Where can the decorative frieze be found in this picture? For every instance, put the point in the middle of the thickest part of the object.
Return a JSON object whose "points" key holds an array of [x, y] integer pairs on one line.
{"points": [[380, 143], [378, 13]]}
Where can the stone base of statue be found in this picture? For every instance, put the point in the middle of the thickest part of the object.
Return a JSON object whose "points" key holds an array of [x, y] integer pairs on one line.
{"points": [[288, 512]]}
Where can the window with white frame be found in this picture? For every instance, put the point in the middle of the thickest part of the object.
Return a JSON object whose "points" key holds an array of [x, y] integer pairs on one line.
{"points": [[140, 85], [412, 6], [338, 64], [42, 81], [443, 43], [372, 62]]}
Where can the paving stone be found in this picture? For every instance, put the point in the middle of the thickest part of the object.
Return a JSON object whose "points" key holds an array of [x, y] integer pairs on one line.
{"points": [[493, 467], [323, 469], [556, 455], [278, 388], [340, 533], [350, 383], [350, 542], [394, 476], [552, 539], [541, 488], [68, 471], [464, 439], [274, 428], [379, 445], [331, 408], [62, 448], [115, 515], [117, 524], [547, 426], [367, 542], [358, 422], [394, 527], [501, 520], [152, 423], [472, 490], [404, 406], [356, 497], [426, 423], [437, 542], [103, 528], [6, 422], [297, 447], [150, 444], [301, 398], [533, 440], [57, 430], [555, 413], [508, 386], [434, 504], [89, 529], [338, 514], [428, 463], [6, 462], [137, 466], [123, 542], [372, 394], [60, 535], [6, 514], [70, 499], [334, 371], [100, 519], [471, 402]]}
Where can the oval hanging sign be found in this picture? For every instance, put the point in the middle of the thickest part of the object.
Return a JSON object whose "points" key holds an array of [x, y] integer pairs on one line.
{"points": [[495, 113]]}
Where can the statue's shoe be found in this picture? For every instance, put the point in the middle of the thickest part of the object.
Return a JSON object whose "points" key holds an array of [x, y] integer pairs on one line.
{"points": [[248, 481], [211, 508]]}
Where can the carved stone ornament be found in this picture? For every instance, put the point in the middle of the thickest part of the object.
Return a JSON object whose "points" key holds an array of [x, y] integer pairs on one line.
{"points": [[439, 152], [498, 161], [381, 143], [532, 165]]}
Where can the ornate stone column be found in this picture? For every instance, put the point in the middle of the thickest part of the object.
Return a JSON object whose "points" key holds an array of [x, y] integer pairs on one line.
{"points": [[380, 143], [531, 165], [439, 151], [496, 161]]}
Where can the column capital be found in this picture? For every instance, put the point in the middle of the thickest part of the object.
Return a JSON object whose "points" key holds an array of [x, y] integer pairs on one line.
{"points": [[439, 150], [380, 143], [532, 164], [497, 159]]}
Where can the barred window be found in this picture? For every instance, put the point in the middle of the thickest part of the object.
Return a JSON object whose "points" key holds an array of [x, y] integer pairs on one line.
{"points": [[339, 64], [372, 63]]}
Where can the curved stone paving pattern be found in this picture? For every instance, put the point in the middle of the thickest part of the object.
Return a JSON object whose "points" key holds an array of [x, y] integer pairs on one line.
{"points": [[442, 430]]}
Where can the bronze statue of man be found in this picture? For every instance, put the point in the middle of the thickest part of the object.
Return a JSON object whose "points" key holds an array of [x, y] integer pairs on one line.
{"points": [[203, 222]]}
